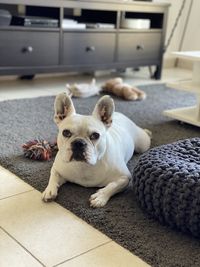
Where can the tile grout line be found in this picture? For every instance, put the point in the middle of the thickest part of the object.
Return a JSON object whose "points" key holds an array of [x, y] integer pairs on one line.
{"points": [[17, 194], [31, 253], [21, 246], [83, 253]]}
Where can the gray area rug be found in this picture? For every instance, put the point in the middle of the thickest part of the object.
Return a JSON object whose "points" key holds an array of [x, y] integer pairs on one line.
{"points": [[122, 219]]}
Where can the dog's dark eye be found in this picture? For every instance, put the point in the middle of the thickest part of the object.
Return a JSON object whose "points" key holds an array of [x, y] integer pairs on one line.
{"points": [[94, 136], [66, 133]]}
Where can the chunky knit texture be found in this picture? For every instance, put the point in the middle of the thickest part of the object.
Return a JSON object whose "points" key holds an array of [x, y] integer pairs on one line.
{"points": [[167, 184]]}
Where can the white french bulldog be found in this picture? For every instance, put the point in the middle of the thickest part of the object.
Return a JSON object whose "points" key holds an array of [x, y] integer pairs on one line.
{"points": [[93, 150]]}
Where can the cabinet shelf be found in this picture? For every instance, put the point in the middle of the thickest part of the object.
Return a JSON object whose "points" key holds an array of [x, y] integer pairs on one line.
{"points": [[22, 28], [90, 30], [139, 30], [187, 114]]}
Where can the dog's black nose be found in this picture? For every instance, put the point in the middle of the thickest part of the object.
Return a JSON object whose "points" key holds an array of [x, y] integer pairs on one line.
{"points": [[78, 144]]}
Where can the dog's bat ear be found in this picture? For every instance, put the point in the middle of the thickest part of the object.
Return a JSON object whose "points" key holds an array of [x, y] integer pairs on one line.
{"points": [[104, 110], [63, 107]]}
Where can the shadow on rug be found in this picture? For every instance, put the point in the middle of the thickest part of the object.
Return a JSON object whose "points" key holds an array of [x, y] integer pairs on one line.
{"points": [[122, 219]]}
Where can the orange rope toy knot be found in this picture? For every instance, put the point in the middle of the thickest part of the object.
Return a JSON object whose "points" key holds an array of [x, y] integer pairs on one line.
{"points": [[39, 149]]}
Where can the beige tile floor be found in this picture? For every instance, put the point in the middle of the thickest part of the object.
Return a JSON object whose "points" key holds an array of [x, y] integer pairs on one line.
{"points": [[33, 233]]}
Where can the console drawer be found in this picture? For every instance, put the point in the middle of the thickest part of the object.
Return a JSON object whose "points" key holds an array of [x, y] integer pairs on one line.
{"points": [[23, 48], [88, 48], [139, 46]]}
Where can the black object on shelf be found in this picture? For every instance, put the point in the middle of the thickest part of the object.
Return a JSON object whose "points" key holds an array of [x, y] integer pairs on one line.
{"points": [[49, 12]]}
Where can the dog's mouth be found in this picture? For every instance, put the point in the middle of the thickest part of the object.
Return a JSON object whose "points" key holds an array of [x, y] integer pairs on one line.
{"points": [[78, 156], [80, 151]]}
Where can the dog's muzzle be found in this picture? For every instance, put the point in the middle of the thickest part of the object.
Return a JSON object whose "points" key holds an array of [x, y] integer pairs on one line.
{"points": [[78, 148]]}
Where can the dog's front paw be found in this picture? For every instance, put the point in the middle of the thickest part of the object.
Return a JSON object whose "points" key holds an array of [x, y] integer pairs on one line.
{"points": [[49, 194], [98, 200]]}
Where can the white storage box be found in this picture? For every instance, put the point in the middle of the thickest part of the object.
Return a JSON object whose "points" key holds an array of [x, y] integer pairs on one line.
{"points": [[135, 23]]}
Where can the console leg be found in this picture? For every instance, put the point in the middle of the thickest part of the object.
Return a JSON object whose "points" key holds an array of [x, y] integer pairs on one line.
{"points": [[157, 73]]}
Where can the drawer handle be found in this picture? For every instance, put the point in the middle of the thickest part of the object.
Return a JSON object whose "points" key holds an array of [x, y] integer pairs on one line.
{"points": [[28, 49], [140, 47], [90, 49]]}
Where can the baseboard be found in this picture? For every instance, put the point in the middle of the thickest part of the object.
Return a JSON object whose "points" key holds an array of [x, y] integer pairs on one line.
{"points": [[184, 63], [169, 62]]}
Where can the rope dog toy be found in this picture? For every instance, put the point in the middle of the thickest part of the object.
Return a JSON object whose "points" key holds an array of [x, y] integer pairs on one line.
{"points": [[39, 149]]}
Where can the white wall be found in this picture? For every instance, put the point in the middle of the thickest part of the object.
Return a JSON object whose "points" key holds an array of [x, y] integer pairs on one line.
{"points": [[192, 35]]}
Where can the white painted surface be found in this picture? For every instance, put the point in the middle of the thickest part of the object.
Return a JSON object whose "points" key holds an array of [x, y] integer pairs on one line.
{"points": [[192, 55], [189, 115], [192, 36]]}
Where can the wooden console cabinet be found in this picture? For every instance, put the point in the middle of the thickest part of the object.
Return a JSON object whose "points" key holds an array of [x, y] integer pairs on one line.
{"points": [[32, 50]]}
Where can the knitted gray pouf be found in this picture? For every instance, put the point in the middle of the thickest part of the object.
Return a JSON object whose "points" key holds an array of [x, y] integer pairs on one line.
{"points": [[167, 184]]}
